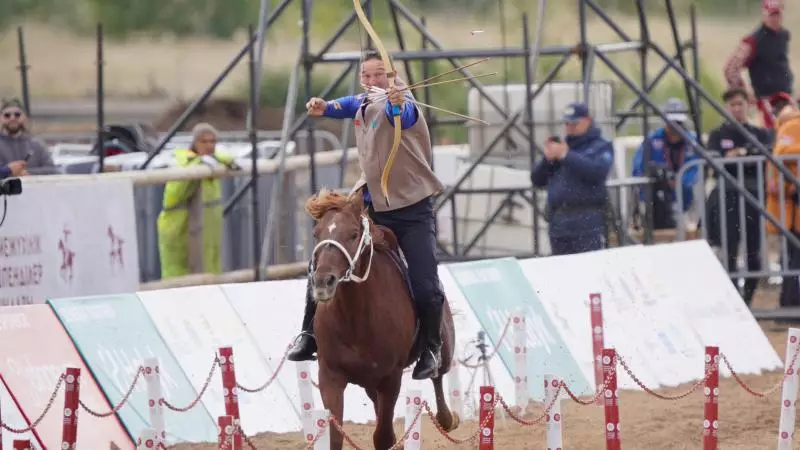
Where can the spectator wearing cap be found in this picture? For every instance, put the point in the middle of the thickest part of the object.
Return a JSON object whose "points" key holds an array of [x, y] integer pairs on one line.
{"points": [[669, 152], [20, 152], [729, 140], [765, 55], [190, 223], [574, 173]]}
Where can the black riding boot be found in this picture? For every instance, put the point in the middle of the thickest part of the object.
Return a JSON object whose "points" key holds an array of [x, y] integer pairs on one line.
{"points": [[431, 359], [306, 345]]}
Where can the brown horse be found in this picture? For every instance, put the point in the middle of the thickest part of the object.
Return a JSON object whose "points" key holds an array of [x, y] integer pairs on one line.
{"points": [[366, 322]]}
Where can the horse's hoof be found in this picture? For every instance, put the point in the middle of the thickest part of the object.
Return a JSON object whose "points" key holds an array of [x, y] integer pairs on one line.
{"points": [[455, 419]]}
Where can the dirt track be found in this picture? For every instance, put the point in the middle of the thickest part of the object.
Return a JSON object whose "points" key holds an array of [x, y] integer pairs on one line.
{"points": [[647, 423]]}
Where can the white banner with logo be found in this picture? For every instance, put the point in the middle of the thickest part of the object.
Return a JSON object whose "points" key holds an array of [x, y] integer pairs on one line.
{"points": [[68, 239]]}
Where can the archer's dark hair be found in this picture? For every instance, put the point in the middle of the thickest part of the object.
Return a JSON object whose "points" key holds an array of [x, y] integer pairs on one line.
{"points": [[370, 55], [732, 93]]}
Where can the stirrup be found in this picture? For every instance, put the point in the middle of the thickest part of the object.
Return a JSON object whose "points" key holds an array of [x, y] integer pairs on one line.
{"points": [[436, 358], [300, 336], [436, 364], [297, 353]]}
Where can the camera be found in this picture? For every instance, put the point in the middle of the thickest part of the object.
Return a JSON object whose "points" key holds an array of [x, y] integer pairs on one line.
{"points": [[11, 186]]}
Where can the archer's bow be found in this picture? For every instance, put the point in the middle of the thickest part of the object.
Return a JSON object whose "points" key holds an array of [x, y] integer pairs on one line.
{"points": [[396, 110]]}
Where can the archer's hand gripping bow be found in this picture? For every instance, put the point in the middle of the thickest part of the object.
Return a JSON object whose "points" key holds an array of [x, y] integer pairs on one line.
{"points": [[396, 109]]}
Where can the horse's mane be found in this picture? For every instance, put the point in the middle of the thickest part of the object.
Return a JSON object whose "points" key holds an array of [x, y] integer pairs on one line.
{"points": [[327, 200]]}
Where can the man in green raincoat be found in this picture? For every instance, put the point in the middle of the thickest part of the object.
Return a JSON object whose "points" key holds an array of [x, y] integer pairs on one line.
{"points": [[190, 223]]}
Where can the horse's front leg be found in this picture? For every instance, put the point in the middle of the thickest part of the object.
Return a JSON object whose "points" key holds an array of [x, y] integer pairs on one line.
{"points": [[388, 391], [331, 387], [449, 420]]}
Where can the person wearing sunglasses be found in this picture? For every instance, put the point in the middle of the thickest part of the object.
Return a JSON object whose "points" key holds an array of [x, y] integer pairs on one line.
{"points": [[20, 152]]}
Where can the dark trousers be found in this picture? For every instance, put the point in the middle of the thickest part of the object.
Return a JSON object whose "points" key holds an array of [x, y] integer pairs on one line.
{"points": [[415, 229], [570, 245], [752, 239], [790, 289], [733, 232]]}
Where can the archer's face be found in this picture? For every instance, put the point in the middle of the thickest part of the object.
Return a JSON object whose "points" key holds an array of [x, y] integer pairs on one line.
{"points": [[373, 73]]}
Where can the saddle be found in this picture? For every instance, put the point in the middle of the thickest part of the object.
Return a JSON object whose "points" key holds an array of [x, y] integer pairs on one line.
{"points": [[399, 260]]}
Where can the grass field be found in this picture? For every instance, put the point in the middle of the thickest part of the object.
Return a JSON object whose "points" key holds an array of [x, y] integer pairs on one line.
{"points": [[63, 65]]}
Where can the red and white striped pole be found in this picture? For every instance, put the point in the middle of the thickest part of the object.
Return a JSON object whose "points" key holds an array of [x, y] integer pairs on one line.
{"points": [[69, 430], [227, 433], [413, 406], [229, 392], [21, 445], [520, 361], [148, 439], [486, 418], [711, 408], [306, 390], [611, 399], [596, 321], [789, 392], [554, 417]]}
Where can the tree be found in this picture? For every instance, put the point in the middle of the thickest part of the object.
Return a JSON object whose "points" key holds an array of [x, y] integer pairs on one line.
{"points": [[217, 18]]}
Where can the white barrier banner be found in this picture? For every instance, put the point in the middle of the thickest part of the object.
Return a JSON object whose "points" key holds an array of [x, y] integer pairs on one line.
{"points": [[68, 239]]}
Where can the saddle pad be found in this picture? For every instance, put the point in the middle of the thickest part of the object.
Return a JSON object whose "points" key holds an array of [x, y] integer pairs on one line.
{"points": [[400, 261]]}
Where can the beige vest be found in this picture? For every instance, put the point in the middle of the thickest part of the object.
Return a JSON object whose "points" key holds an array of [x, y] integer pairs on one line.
{"points": [[411, 178]]}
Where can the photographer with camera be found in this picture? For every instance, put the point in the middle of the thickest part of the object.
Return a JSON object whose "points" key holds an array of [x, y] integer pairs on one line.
{"points": [[668, 154], [730, 142], [575, 173], [20, 152]]}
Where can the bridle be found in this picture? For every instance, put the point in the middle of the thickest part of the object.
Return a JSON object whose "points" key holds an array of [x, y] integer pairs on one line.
{"points": [[349, 275]]}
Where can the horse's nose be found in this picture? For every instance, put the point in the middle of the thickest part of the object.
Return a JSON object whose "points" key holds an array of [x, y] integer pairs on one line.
{"points": [[329, 280]]}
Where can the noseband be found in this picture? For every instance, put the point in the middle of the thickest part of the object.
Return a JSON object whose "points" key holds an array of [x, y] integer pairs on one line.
{"points": [[349, 275]]}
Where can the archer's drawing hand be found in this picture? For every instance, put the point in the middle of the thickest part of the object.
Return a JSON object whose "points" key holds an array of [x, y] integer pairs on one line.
{"points": [[396, 97], [316, 107]]}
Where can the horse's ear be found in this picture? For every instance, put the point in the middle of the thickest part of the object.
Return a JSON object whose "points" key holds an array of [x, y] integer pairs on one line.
{"points": [[314, 208], [356, 200]]}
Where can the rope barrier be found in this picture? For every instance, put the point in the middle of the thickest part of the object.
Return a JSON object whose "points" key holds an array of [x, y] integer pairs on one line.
{"points": [[232, 435]]}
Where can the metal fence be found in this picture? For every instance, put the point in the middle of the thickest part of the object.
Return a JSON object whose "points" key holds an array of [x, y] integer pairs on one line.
{"points": [[739, 230], [291, 236]]}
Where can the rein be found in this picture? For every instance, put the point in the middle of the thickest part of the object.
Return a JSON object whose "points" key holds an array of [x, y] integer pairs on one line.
{"points": [[349, 275]]}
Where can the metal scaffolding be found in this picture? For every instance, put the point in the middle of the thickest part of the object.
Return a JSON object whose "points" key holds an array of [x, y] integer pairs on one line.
{"points": [[521, 122]]}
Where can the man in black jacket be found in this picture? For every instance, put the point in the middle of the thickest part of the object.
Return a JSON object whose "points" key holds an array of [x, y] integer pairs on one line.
{"points": [[765, 55], [731, 143]]}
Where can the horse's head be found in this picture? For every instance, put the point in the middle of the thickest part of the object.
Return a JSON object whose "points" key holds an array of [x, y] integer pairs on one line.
{"points": [[345, 245]]}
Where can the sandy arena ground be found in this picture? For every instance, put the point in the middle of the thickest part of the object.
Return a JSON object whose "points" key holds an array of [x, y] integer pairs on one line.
{"points": [[746, 422]]}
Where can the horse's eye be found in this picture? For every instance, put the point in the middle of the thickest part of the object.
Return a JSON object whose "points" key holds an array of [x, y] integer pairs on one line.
{"points": [[354, 236]]}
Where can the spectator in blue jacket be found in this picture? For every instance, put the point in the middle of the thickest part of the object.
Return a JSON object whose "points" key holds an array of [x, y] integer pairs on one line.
{"points": [[669, 152], [575, 173]]}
